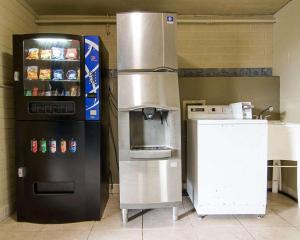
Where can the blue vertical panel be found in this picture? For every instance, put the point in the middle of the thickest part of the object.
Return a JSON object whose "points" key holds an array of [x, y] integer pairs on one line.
{"points": [[92, 77]]}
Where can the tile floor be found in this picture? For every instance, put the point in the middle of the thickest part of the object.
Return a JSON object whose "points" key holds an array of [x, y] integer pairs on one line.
{"points": [[281, 222]]}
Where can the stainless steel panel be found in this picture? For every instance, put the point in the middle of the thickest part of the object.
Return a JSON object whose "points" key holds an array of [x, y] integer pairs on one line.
{"points": [[150, 182], [145, 41], [169, 41], [156, 89]]}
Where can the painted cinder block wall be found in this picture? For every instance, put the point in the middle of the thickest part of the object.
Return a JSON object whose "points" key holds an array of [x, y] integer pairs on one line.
{"points": [[14, 19], [287, 66]]}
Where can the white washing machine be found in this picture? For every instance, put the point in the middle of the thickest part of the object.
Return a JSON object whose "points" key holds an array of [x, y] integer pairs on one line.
{"points": [[227, 162]]}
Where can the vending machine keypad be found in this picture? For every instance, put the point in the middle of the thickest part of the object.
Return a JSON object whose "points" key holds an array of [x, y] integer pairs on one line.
{"points": [[53, 107]]}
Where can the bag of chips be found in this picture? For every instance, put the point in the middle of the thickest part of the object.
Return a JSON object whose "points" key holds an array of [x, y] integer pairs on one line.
{"points": [[73, 91], [71, 53], [46, 54], [32, 72], [57, 53], [71, 75], [33, 53], [78, 74], [58, 74], [45, 74]]}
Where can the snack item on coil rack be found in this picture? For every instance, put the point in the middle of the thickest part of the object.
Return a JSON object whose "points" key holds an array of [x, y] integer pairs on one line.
{"points": [[46, 54], [74, 91], [71, 54], [58, 74], [45, 74], [57, 53], [33, 53], [32, 72], [71, 75]]}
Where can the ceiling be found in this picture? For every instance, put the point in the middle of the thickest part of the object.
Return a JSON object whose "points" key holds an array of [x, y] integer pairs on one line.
{"points": [[197, 7]]}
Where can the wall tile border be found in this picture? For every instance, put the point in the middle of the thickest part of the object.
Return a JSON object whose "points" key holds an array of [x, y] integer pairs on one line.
{"points": [[217, 72]]}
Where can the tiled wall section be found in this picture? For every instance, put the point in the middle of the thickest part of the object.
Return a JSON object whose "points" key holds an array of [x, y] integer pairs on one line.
{"points": [[13, 19], [199, 45], [287, 66], [225, 45]]}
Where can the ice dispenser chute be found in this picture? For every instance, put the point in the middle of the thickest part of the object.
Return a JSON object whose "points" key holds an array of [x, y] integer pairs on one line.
{"points": [[149, 133]]}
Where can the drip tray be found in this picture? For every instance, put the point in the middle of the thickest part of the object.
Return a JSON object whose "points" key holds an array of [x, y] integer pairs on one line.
{"points": [[151, 152]]}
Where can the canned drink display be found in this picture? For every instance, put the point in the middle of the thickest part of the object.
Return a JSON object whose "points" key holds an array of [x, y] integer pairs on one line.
{"points": [[52, 146], [35, 91], [72, 146], [34, 146], [28, 93], [63, 145], [43, 146]]}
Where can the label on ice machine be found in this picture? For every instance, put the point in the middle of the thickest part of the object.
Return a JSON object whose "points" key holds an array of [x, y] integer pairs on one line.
{"points": [[92, 78], [170, 19]]}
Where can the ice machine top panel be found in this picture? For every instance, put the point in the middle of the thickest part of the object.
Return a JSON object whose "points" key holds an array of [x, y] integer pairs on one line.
{"points": [[146, 41], [51, 67]]}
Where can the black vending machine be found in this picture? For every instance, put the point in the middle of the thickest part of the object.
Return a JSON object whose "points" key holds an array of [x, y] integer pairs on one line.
{"points": [[61, 127]]}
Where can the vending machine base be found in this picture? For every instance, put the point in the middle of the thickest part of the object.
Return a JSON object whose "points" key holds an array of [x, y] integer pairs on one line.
{"points": [[62, 175]]}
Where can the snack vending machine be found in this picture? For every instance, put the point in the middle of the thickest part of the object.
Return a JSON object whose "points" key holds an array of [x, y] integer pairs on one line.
{"points": [[61, 126]]}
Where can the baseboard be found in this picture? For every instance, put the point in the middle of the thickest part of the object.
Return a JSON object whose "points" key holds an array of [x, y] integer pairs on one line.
{"points": [[289, 191], [270, 184], [114, 188], [6, 211]]}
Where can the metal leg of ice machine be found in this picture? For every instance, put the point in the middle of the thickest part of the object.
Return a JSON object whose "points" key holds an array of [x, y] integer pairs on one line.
{"points": [[175, 213], [124, 215]]}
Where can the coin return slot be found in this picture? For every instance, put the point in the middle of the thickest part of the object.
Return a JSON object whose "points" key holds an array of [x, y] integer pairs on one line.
{"points": [[54, 188]]}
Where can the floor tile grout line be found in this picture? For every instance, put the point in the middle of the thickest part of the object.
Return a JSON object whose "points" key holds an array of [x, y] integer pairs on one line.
{"points": [[243, 226], [290, 225], [88, 236], [142, 224]]}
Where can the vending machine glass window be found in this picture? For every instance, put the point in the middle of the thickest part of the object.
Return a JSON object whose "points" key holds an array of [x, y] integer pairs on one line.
{"points": [[51, 67]]}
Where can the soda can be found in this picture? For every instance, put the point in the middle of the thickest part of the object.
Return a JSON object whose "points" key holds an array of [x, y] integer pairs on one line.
{"points": [[34, 146], [52, 146], [43, 146], [72, 146], [35, 91], [63, 145], [28, 93]]}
